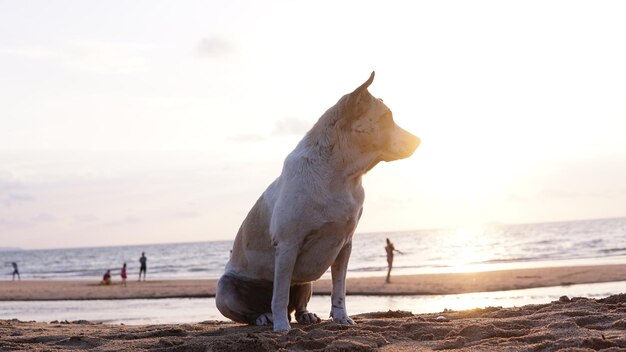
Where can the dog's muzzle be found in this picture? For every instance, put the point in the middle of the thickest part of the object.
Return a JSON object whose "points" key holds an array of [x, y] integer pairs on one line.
{"points": [[404, 144]]}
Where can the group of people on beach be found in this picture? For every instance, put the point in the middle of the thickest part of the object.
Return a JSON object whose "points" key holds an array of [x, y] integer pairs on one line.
{"points": [[143, 268], [107, 280]]}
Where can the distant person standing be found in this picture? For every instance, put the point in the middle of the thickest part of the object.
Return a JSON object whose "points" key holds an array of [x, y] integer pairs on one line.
{"points": [[15, 271], [390, 249], [123, 275], [143, 267]]}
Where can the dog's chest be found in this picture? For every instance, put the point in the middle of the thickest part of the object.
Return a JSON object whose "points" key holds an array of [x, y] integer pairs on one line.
{"points": [[322, 245]]}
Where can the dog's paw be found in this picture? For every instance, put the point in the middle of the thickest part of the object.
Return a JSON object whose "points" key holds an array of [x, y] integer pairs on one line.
{"points": [[264, 319], [281, 326], [341, 317], [345, 320], [307, 317]]}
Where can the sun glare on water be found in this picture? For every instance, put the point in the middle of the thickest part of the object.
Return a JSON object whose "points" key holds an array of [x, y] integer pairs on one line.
{"points": [[466, 248]]}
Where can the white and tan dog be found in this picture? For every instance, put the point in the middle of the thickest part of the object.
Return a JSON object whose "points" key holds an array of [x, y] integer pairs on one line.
{"points": [[303, 223]]}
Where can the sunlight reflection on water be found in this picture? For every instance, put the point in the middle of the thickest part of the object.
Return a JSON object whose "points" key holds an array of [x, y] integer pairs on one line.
{"points": [[193, 310], [493, 247]]}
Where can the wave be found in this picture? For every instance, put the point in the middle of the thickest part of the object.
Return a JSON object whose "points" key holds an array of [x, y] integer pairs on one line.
{"points": [[193, 270], [613, 250], [423, 249]]}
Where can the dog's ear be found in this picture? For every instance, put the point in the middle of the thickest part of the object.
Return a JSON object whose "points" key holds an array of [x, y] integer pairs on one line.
{"points": [[355, 98], [364, 86]]}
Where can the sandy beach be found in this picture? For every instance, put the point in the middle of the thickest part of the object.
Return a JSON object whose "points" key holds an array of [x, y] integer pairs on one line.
{"points": [[572, 324], [427, 284]]}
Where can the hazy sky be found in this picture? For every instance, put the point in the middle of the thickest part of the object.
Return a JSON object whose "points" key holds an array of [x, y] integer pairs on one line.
{"points": [[151, 121]]}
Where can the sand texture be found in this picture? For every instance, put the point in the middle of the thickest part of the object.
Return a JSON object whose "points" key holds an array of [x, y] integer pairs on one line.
{"points": [[401, 285], [577, 324]]}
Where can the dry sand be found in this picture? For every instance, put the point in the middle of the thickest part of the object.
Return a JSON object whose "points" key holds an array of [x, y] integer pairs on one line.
{"points": [[579, 324], [401, 285]]}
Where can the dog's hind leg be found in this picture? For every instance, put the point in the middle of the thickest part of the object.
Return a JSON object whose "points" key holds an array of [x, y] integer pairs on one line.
{"points": [[299, 296], [244, 301], [263, 319]]}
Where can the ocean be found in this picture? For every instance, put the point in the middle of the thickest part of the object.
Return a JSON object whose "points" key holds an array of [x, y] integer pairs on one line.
{"points": [[600, 241]]}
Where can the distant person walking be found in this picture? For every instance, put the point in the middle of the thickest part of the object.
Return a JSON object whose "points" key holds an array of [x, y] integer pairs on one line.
{"points": [[143, 268], [390, 249], [123, 275], [15, 271]]}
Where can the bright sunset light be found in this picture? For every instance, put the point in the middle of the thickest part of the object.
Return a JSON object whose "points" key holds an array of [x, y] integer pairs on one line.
{"points": [[169, 127], [288, 175]]}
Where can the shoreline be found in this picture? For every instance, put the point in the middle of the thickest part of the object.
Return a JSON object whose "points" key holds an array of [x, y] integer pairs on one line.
{"points": [[563, 324], [405, 285]]}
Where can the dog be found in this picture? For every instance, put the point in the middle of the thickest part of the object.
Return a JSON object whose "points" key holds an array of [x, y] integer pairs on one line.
{"points": [[304, 221]]}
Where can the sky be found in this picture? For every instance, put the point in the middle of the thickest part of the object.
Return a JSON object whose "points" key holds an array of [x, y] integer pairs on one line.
{"points": [[164, 121]]}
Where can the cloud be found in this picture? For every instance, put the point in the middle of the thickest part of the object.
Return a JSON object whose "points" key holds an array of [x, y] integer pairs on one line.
{"points": [[31, 52], [12, 198], [43, 217], [11, 192], [8, 181], [85, 218], [124, 221], [292, 126], [282, 128], [214, 47], [514, 198], [27, 222], [187, 214], [394, 200], [98, 57], [559, 193], [7, 186], [107, 57], [247, 138]]}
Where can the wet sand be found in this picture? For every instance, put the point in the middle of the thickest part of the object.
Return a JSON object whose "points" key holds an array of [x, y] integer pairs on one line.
{"points": [[577, 324], [427, 284]]}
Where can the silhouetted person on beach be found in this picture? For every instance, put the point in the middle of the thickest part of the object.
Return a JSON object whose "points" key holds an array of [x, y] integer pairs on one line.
{"points": [[143, 267], [390, 249], [123, 275], [15, 271], [106, 278]]}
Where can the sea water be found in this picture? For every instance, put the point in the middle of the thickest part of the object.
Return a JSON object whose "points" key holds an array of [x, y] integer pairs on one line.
{"points": [[599, 241], [194, 310]]}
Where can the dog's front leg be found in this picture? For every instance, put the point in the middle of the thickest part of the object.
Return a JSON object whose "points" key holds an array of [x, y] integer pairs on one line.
{"points": [[285, 260], [338, 297]]}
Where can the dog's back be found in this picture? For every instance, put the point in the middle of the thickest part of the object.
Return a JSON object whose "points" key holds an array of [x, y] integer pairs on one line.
{"points": [[253, 254]]}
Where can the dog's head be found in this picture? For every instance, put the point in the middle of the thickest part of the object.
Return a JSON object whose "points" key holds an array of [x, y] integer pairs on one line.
{"points": [[367, 125], [359, 132]]}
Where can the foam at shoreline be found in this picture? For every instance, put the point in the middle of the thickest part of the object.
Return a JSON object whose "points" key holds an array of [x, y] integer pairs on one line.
{"points": [[427, 284]]}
